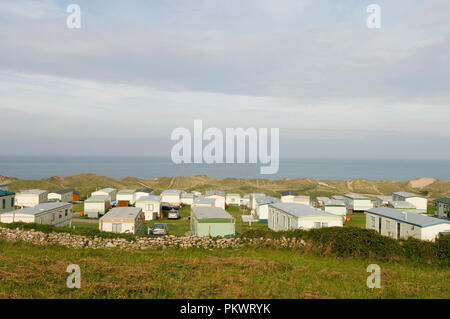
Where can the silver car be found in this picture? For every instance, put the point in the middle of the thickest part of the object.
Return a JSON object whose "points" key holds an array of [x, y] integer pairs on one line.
{"points": [[173, 214]]}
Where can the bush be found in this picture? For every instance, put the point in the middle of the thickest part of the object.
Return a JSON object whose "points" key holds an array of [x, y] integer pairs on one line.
{"points": [[364, 243]]}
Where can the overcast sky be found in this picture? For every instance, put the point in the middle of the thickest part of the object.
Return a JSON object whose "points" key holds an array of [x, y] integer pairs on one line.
{"points": [[138, 69]]}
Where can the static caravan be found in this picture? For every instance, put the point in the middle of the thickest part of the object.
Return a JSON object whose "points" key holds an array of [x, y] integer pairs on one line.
{"points": [[442, 207], [233, 199], [305, 200], [4, 187], [382, 201], [110, 192], [211, 221], [262, 207], [357, 203], [171, 197], [202, 201], [126, 196], [418, 201], [245, 201], [54, 213], [97, 205], [320, 200], [6, 201], [143, 192], [336, 207], [218, 195], [151, 206], [63, 195], [398, 224], [288, 197], [338, 197], [31, 197], [401, 205], [187, 198], [196, 194], [122, 220], [289, 216], [253, 197]]}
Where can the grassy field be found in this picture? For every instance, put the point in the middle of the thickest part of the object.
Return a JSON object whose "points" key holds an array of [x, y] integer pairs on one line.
{"points": [[356, 220], [181, 227], [28, 271]]}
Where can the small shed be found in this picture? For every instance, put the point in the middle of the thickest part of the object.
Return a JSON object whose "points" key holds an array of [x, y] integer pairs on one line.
{"points": [[6, 201], [150, 205], [97, 205], [31, 197], [122, 220], [54, 213], [212, 221]]}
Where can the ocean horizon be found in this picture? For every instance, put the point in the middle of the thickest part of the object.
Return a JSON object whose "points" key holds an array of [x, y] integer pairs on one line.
{"points": [[38, 167]]}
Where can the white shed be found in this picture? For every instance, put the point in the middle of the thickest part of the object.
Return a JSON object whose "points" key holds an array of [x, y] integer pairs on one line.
{"points": [[398, 224], [110, 192], [31, 197], [151, 206], [262, 207], [289, 216], [122, 220], [55, 213], [97, 205], [63, 195], [357, 203], [233, 199], [418, 201], [218, 195]]}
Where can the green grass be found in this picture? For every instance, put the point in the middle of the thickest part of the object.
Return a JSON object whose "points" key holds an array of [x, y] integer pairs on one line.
{"points": [[79, 225], [28, 271], [356, 220]]}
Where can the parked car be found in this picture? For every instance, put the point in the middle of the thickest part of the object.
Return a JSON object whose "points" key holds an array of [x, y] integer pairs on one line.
{"points": [[159, 229], [173, 214]]}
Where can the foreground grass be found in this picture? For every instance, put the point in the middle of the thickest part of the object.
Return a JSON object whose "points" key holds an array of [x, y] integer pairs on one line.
{"points": [[28, 271]]}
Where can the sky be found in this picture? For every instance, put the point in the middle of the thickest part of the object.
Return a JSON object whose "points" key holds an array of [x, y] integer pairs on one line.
{"points": [[136, 70]]}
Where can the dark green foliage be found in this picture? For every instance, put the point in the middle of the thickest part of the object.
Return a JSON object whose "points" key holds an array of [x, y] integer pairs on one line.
{"points": [[365, 243]]}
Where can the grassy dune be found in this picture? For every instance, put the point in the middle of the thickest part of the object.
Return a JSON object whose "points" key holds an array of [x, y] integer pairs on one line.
{"points": [[87, 183], [28, 271]]}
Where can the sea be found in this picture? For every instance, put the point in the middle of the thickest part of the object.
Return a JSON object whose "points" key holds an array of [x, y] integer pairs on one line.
{"points": [[37, 167]]}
